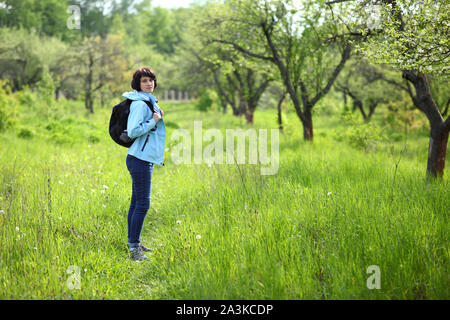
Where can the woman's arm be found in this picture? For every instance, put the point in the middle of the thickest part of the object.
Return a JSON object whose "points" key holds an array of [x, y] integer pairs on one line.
{"points": [[136, 126]]}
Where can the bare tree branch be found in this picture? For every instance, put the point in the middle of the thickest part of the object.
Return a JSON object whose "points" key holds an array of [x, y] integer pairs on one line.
{"points": [[345, 56], [337, 1], [247, 52]]}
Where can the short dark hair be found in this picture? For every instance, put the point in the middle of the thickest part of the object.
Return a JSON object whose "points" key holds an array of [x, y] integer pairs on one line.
{"points": [[142, 72]]}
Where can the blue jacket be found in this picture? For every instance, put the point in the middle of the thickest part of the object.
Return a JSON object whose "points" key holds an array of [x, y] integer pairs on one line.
{"points": [[149, 145]]}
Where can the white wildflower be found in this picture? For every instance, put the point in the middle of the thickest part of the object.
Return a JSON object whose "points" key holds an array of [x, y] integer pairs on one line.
{"points": [[17, 229], [198, 237], [178, 221], [2, 212], [105, 187], [329, 193]]}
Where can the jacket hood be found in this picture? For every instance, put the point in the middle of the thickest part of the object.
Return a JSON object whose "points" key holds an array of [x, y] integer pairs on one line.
{"points": [[140, 95]]}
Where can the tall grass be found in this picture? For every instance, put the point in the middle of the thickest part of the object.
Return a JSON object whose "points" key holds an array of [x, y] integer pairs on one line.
{"points": [[222, 231]]}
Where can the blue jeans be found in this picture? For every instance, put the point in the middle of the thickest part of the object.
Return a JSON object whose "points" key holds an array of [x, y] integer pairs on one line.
{"points": [[141, 176]]}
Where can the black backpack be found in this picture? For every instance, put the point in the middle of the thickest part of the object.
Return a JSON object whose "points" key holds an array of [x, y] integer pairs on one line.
{"points": [[118, 122]]}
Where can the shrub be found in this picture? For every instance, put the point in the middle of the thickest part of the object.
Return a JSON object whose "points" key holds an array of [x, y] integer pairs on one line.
{"points": [[360, 134], [6, 107], [25, 133], [205, 102], [93, 138], [171, 124]]}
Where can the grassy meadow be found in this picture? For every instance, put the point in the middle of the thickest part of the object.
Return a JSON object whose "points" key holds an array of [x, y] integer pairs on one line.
{"points": [[355, 197]]}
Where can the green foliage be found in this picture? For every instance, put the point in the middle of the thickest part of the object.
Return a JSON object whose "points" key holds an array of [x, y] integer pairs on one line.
{"points": [[360, 134], [7, 104], [205, 101], [25, 133], [419, 41], [25, 57], [45, 93], [402, 119], [171, 124], [44, 17]]}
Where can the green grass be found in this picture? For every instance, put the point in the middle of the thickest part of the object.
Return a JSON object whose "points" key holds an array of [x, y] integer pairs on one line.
{"points": [[225, 231]]}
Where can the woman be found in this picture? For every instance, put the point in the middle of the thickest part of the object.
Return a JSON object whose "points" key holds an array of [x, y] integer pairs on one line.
{"points": [[148, 149]]}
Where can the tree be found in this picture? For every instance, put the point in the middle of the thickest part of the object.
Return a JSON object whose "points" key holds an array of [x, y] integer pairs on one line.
{"points": [[94, 18], [366, 85], [44, 17], [102, 63], [298, 41], [238, 80], [25, 55], [414, 38]]}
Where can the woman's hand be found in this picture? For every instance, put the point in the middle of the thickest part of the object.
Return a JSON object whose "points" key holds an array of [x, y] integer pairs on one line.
{"points": [[156, 116], [162, 112]]}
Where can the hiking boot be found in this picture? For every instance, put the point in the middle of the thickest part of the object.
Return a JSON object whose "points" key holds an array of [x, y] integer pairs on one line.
{"points": [[136, 254], [145, 249], [142, 247]]}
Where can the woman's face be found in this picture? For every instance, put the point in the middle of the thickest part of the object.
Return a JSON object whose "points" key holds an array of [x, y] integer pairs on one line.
{"points": [[147, 84]]}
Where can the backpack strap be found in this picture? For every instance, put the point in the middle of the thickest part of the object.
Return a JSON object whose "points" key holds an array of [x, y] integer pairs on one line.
{"points": [[150, 105]]}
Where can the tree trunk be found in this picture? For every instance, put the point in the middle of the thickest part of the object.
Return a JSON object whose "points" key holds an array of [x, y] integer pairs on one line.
{"points": [[372, 107], [439, 130], [307, 126], [357, 104], [437, 151], [89, 103], [344, 95], [89, 85], [241, 107], [249, 116], [57, 91], [280, 121]]}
